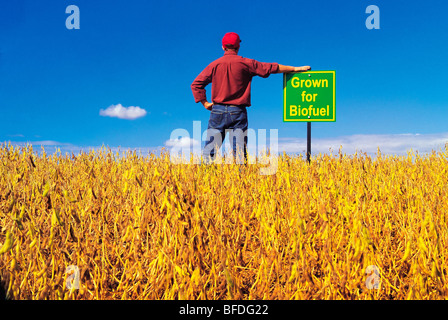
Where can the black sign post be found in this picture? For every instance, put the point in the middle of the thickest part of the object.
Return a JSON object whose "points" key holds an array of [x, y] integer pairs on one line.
{"points": [[308, 142]]}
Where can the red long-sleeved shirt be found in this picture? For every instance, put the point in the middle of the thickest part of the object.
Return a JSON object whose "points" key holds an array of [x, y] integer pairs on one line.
{"points": [[231, 76]]}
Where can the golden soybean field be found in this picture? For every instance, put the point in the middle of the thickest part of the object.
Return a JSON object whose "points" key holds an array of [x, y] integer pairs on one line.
{"points": [[145, 228]]}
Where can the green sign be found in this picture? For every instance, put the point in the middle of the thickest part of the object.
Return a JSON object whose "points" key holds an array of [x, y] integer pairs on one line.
{"points": [[309, 96]]}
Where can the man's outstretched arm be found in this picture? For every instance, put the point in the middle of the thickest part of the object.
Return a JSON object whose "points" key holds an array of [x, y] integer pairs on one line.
{"points": [[286, 69]]}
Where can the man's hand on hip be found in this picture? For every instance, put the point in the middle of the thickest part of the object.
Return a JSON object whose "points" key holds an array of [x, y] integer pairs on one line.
{"points": [[207, 105]]}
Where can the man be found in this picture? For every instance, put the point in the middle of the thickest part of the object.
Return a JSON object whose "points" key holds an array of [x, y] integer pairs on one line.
{"points": [[231, 77]]}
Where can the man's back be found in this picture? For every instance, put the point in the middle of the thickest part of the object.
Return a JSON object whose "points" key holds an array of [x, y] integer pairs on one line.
{"points": [[231, 77]]}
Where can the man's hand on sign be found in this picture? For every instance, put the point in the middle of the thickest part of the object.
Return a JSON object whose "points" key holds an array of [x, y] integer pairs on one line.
{"points": [[207, 105], [301, 69]]}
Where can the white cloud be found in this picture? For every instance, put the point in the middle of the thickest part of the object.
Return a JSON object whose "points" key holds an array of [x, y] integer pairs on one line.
{"points": [[398, 144], [50, 143], [182, 142], [118, 111]]}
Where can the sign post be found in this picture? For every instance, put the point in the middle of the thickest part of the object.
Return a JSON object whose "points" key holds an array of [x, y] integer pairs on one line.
{"points": [[308, 142], [309, 97]]}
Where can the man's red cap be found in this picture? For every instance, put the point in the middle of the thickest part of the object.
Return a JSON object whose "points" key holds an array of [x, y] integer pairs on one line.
{"points": [[231, 40]]}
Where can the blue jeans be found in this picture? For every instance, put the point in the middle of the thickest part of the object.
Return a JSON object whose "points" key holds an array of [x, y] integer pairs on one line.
{"points": [[223, 119]]}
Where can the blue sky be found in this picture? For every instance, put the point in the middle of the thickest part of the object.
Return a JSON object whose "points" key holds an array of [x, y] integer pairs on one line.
{"points": [[390, 83]]}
